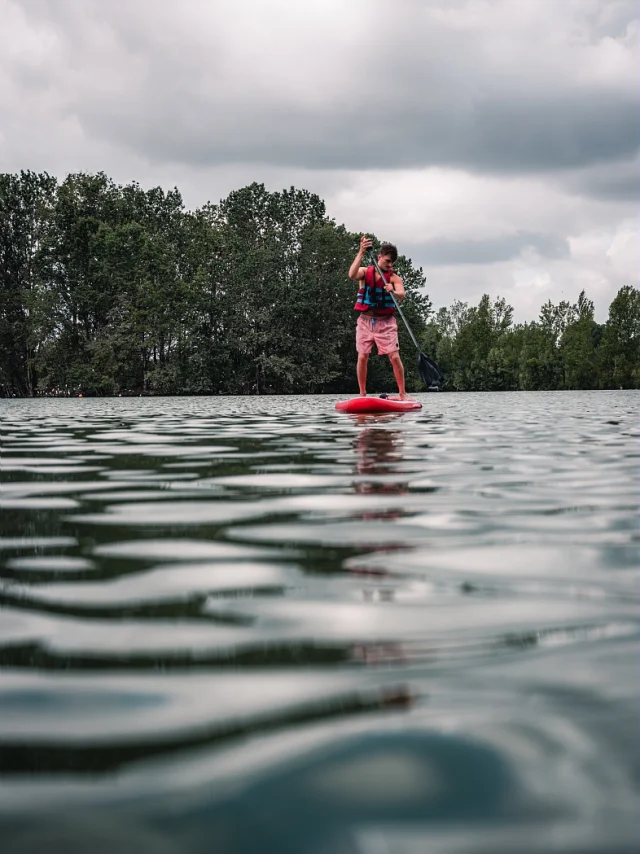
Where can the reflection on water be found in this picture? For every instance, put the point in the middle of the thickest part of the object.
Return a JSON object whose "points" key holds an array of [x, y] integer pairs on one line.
{"points": [[247, 625], [379, 454]]}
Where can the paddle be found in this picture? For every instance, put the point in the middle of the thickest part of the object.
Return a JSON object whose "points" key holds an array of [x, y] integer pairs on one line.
{"points": [[430, 373]]}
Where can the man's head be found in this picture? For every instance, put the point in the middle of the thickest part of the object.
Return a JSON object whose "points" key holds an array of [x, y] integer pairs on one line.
{"points": [[387, 256]]}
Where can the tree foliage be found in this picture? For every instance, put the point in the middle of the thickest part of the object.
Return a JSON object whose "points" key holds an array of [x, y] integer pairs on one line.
{"points": [[108, 289], [480, 349]]}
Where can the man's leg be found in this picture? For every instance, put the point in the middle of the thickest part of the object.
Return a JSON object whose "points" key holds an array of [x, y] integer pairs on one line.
{"points": [[398, 372], [363, 359]]}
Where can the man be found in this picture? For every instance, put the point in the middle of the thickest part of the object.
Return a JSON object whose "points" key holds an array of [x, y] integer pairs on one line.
{"points": [[376, 322]]}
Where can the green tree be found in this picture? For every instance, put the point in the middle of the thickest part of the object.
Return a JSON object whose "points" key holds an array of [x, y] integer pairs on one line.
{"points": [[261, 236], [541, 362], [619, 360], [539, 367], [26, 202], [81, 288], [478, 352], [114, 264], [440, 335], [578, 346]]}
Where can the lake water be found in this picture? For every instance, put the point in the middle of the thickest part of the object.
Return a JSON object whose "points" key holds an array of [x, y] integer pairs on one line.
{"points": [[257, 625]]}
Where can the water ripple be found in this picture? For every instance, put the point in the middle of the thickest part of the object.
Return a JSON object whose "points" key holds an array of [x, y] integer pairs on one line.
{"points": [[254, 624]]}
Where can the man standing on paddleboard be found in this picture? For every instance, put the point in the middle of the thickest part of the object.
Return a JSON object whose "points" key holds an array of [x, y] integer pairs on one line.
{"points": [[376, 321]]}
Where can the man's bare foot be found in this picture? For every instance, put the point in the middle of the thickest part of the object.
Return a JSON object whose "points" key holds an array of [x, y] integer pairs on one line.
{"points": [[363, 394]]}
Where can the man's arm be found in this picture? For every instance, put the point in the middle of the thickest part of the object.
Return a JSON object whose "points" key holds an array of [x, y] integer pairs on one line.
{"points": [[397, 286], [356, 272]]}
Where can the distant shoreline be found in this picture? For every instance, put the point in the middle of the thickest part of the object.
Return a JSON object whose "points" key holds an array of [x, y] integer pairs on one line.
{"points": [[154, 395]]}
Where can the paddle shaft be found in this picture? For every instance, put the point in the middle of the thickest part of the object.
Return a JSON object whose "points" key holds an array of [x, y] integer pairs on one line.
{"points": [[395, 301]]}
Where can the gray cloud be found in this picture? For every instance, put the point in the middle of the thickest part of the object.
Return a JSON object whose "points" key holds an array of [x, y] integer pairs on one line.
{"points": [[499, 136], [616, 182], [445, 90], [488, 251]]}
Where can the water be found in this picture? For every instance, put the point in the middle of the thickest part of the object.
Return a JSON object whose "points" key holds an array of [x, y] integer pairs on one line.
{"points": [[255, 625]]}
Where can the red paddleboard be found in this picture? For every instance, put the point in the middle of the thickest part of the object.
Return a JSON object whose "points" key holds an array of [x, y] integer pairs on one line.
{"points": [[365, 405]]}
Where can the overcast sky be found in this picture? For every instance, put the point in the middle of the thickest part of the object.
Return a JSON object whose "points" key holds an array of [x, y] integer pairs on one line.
{"points": [[496, 142]]}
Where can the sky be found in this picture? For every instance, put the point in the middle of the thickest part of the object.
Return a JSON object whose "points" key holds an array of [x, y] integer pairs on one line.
{"points": [[495, 142]]}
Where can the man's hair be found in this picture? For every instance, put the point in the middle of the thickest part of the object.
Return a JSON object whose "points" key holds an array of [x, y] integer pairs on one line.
{"points": [[390, 250]]}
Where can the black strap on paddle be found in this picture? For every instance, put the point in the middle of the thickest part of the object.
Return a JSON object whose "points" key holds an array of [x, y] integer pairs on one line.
{"points": [[430, 373]]}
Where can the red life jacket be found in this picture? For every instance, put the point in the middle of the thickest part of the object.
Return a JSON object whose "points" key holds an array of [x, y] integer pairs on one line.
{"points": [[372, 295]]}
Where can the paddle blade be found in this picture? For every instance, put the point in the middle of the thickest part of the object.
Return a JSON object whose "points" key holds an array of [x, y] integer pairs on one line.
{"points": [[430, 373]]}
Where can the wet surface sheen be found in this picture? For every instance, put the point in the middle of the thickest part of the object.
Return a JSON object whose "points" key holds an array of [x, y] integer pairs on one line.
{"points": [[254, 624]]}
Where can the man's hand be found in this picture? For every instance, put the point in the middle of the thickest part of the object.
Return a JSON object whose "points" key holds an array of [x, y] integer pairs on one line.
{"points": [[365, 243], [356, 272]]}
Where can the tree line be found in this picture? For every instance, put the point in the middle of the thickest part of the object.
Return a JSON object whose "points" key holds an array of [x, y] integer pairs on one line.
{"points": [[109, 289]]}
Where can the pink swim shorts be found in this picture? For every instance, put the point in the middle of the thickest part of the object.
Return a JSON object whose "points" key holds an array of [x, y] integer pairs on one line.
{"points": [[381, 331]]}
